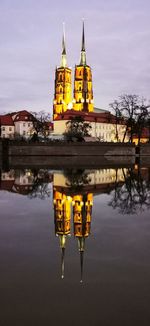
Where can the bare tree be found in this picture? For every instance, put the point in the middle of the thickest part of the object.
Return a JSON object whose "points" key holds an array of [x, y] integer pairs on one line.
{"points": [[133, 110], [41, 122]]}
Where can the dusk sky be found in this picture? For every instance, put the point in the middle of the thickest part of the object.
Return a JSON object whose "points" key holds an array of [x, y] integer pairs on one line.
{"points": [[117, 45]]}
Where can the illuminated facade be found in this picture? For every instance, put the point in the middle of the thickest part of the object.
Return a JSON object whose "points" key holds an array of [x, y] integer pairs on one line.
{"points": [[63, 85], [83, 91]]}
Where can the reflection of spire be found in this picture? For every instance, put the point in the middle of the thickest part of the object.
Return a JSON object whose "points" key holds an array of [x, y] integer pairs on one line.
{"points": [[62, 263], [83, 53], [81, 246], [63, 56], [62, 239]]}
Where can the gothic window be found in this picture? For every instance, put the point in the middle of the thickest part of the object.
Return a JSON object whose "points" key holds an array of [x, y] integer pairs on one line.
{"points": [[60, 78], [80, 73], [80, 88]]}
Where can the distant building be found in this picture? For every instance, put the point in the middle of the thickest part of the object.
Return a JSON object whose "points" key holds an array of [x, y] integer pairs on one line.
{"points": [[20, 124], [23, 122], [145, 136], [103, 125], [16, 124], [7, 127]]}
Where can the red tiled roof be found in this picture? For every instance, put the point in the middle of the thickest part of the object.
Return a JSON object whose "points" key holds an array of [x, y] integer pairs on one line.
{"points": [[105, 117], [23, 116], [6, 120]]}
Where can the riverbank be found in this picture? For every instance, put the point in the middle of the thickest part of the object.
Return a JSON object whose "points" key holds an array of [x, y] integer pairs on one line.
{"points": [[63, 154]]}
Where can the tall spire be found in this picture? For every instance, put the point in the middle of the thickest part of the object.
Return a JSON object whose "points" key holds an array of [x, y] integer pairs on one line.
{"points": [[63, 56], [83, 53]]}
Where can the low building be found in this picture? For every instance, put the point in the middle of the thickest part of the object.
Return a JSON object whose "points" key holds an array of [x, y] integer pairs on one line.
{"points": [[145, 136], [7, 127], [103, 124], [23, 122]]}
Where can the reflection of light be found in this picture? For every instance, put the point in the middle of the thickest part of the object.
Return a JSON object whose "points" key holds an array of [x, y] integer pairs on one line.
{"points": [[54, 201], [28, 173], [73, 203], [69, 198], [82, 203]]}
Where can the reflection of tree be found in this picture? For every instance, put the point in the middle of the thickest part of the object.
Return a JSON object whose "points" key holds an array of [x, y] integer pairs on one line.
{"points": [[134, 194], [40, 187], [76, 179]]}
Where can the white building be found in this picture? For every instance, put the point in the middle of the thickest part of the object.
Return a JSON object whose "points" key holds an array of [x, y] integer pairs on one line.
{"points": [[103, 125], [7, 128]]}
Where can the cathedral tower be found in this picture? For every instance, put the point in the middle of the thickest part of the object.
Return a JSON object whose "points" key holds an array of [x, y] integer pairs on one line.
{"points": [[63, 80], [83, 92]]}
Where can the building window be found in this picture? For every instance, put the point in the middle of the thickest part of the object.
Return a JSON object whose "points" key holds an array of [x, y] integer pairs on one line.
{"points": [[10, 129], [24, 124], [3, 128], [24, 132], [28, 124]]}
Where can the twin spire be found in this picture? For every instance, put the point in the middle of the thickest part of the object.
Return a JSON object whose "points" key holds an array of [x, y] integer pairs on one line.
{"points": [[83, 52], [63, 56]]}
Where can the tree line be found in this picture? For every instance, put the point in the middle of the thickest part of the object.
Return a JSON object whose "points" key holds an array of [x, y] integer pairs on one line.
{"points": [[135, 112]]}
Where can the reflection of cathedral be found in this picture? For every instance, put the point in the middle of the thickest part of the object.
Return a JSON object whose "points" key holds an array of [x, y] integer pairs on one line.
{"points": [[81, 207], [73, 193]]}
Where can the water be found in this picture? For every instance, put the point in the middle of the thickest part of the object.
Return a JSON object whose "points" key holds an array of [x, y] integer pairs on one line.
{"points": [[75, 247]]}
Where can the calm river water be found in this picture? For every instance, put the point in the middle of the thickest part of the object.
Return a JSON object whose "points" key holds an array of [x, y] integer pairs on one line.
{"points": [[75, 247]]}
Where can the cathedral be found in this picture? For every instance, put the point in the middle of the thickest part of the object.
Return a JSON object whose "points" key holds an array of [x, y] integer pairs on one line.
{"points": [[83, 91], [69, 103]]}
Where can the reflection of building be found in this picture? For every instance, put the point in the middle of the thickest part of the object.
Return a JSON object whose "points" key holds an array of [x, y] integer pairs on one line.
{"points": [[23, 182], [62, 219], [82, 213], [73, 195], [79, 205]]}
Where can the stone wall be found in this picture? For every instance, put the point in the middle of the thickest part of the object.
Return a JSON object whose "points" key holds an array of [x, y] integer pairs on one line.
{"points": [[59, 162], [145, 149], [72, 149]]}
